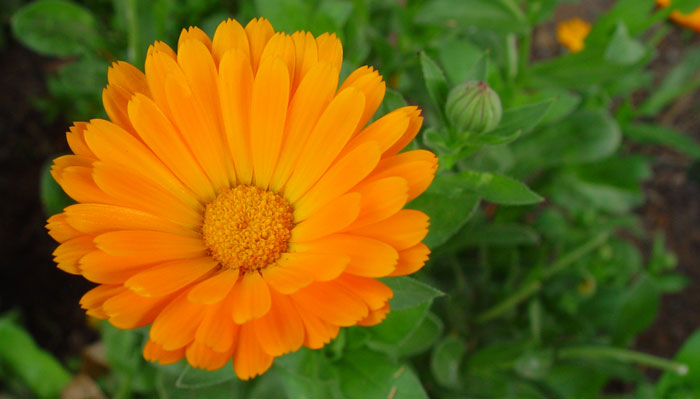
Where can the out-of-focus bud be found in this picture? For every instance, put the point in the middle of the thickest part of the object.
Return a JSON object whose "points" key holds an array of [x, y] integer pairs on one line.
{"points": [[473, 107]]}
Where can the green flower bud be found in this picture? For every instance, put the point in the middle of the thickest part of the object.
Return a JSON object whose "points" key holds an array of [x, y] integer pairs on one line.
{"points": [[473, 107]]}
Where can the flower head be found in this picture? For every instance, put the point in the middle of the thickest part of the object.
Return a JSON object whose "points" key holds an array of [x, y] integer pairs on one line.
{"points": [[572, 34], [690, 20], [238, 200]]}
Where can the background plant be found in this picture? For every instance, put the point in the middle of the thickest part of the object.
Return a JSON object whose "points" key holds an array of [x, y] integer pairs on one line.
{"points": [[536, 286]]}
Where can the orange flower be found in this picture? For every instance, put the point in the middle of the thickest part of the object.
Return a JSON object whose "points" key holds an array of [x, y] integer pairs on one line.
{"points": [[238, 201], [690, 20], [572, 33]]}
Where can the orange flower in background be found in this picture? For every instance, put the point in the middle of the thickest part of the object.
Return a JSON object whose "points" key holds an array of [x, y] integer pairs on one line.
{"points": [[238, 201], [690, 20], [572, 34]]}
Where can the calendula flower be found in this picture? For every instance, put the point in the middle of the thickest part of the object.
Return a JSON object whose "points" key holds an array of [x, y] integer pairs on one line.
{"points": [[572, 34], [690, 20], [238, 201]]}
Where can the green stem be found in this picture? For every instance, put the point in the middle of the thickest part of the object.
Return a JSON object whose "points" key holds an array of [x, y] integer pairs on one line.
{"points": [[531, 287], [511, 56], [524, 50], [623, 355]]}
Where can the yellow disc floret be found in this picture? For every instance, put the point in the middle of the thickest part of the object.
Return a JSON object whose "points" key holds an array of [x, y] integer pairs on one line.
{"points": [[247, 228]]}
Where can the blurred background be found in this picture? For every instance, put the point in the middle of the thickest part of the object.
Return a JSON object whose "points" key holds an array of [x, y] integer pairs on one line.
{"points": [[47, 85]]}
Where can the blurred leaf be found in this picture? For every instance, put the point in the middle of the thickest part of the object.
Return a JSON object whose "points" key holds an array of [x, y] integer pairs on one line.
{"points": [[143, 21], [574, 380], [423, 337], [42, 373], [409, 292], [460, 57], [448, 207], [520, 119], [435, 82], [446, 359], [286, 15], [636, 310], [391, 333], [584, 136], [670, 283], [657, 134], [167, 389], [683, 78], [624, 49], [367, 374], [495, 356], [535, 363], [53, 198], [192, 378], [672, 385], [495, 15], [493, 187], [392, 100], [308, 374], [57, 28], [496, 235]]}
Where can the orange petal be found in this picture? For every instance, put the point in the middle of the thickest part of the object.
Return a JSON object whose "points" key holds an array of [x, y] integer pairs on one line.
{"points": [[201, 357], [169, 277], [416, 167], [215, 288], [128, 77], [250, 360], [330, 50], [306, 56], [69, 253], [343, 175], [59, 228], [280, 46], [100, 218], [318, 266], [372, 291], [268, 112], [217, 330], [159, 66], [229, 35], [380, 199], [411, 260], [150, 246], [97, 261], [368, 257], [251, 298], [385, 131], [116, 101], [109, 143], [176, 325], [372, 85], [155, 353], [76, 140], [78, 183], [159, 134], [259, 32], [281, 330], [375, 316], [409, 134], [93, 300], [195, 34], [331, 302], [325, 142], [405, 229], [333, 217], [317, 332], [286, 277], [310, 99], [142, 193], [235, 91], [128, 310]]}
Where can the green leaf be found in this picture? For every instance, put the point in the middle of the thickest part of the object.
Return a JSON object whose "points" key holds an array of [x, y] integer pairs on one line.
{"points": [[493, 15], [56, 28], [519, 120], [388, 335], [167, 389], [308, 374], [446, 359], [435, 82], [672, 385], [657, 134], [366, 374], [493, 187], [624, 49], [492, 235], [53, 198], [422, 337], [636, 310], [38, 369], [409, 292], [192, 378], [461, 59], [286, 15], [448, 207], [145, 21], [683, 78], [392, 100]]}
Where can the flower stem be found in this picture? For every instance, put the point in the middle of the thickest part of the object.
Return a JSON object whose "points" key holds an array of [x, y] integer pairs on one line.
{"points": [[623, 355], [530, 287]]}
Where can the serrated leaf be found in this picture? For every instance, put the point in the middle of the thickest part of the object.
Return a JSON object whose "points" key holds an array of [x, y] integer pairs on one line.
{"points": [[56, 28], [409, 292]]}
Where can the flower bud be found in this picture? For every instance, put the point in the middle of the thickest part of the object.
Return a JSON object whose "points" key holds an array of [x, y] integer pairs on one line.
{"points": [[473, 107]]}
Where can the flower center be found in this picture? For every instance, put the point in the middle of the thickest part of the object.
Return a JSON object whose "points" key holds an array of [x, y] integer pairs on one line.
{"points": [[247, 228]]}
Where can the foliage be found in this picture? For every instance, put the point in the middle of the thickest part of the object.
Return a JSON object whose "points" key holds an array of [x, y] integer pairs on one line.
{"points": [[531, 221]]}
